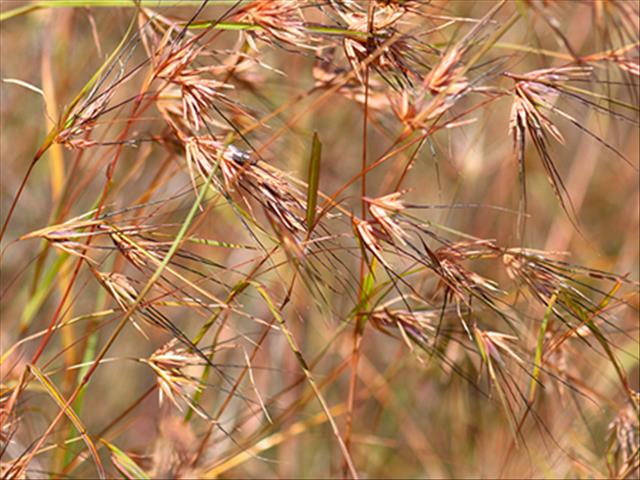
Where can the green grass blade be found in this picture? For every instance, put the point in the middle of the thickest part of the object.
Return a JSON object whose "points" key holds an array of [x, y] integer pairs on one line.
{"points": [[538, 358], [242, 26], [313, 179], [16, 12], [44, 289], [123, 462], [71, 415], [87, 357]]}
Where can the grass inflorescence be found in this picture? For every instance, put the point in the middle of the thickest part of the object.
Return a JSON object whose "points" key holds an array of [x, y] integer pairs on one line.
{"points": [[319, 239]]}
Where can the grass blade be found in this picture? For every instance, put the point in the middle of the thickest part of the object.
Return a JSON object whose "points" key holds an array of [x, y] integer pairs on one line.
{"points": [[313, 179], [538, 357], [123, 462], [71, 415]]}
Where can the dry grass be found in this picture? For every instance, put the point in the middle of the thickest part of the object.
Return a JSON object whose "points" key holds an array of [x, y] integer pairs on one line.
{"points": [[319, 239]]}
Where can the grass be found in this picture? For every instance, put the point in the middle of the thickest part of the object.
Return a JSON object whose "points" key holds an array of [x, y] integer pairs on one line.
{"points": [[381, 239]]}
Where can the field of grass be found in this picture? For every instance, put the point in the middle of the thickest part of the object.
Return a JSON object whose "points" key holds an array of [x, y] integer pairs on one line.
{"points": [[336, 239]]}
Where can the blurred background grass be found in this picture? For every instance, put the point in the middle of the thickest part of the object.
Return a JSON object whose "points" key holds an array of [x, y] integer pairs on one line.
{"points": [[413, 418]]}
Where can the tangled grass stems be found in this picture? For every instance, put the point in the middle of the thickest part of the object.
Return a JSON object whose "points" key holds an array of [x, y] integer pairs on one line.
{"points": [[250, 185]]}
